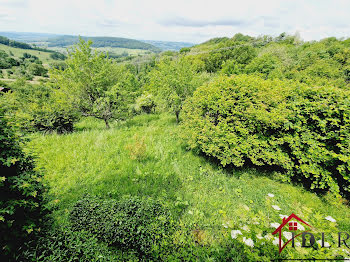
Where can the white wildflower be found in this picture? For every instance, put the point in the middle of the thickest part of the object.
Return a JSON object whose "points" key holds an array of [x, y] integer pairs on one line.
{"points": [[297, 244], [225, 225], [276, 207], [190, 212], [301, 227], [255, 223], [276, 241], [275, 225], [287, 235], [283, 216], [248, 242], [270, 195], [268, 237], [259, 236], [246, 228], [235, 233], [329, 218]]}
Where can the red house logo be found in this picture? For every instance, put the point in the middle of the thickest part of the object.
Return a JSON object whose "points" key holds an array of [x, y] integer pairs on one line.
{"points": [[292, 226]]}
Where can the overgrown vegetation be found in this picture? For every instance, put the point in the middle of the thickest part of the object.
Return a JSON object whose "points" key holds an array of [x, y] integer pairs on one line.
{"points": [[26, 66], [132, 224], [172, 81], [38, 108], [95, 85], [21, 197], [211, 200], [300, 130], [266, 119]]}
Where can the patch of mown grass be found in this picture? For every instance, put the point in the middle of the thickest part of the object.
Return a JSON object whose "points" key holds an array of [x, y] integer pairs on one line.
{"points": [[102, 162]]}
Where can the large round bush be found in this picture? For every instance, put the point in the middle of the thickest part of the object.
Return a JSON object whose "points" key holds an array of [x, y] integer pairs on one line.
{"points": [[300, 130]]}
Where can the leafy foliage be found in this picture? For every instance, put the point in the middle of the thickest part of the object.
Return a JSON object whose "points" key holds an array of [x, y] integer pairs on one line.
{"points": [[95, 85], [57, 56], [207, 195], [301, 130], [290, 116], [172, 81], [21, 199], [64, 244], [6, 61], [38, 108], [131, 223], [145, 103]]}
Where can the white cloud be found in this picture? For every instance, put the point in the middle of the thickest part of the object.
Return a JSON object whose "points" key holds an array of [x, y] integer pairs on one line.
{"points": [[181, 20]]}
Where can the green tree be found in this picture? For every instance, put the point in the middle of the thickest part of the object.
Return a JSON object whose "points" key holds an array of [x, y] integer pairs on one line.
{"points": [[263, 64], [172, 81], [37, 69], [95, 84]]}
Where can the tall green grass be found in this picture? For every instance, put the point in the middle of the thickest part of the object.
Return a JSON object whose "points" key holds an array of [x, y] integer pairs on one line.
{"points": [[145, 157]]}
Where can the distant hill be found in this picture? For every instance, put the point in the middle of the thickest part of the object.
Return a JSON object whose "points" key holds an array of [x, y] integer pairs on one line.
{"points": [[16, 44], [67, 40], [28, 37], [6, 41], [54, 40], [166, 45]]}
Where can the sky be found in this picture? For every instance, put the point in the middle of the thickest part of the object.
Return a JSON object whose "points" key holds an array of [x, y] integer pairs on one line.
{"points": [[178, 20]]}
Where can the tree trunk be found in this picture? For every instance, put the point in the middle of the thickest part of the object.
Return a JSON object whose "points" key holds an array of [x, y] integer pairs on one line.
{"points": [[106, 122], [177, 113]]}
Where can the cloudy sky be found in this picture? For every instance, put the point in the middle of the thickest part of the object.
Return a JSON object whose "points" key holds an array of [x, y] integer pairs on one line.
{"points": [[180, 20]]}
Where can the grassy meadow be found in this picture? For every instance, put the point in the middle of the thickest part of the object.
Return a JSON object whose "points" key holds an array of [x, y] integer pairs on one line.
{"points": [[146, 157], [18, 52]]}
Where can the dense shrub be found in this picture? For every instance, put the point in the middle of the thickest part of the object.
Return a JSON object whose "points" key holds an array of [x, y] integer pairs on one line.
{"points": [[21, 201], [6, 61], [144, 228], [57, 56], [264, 65], [303, 131], [68, 245], [37, 69], [38, 108], [131, 223], [61, 65], [145, 103]]}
